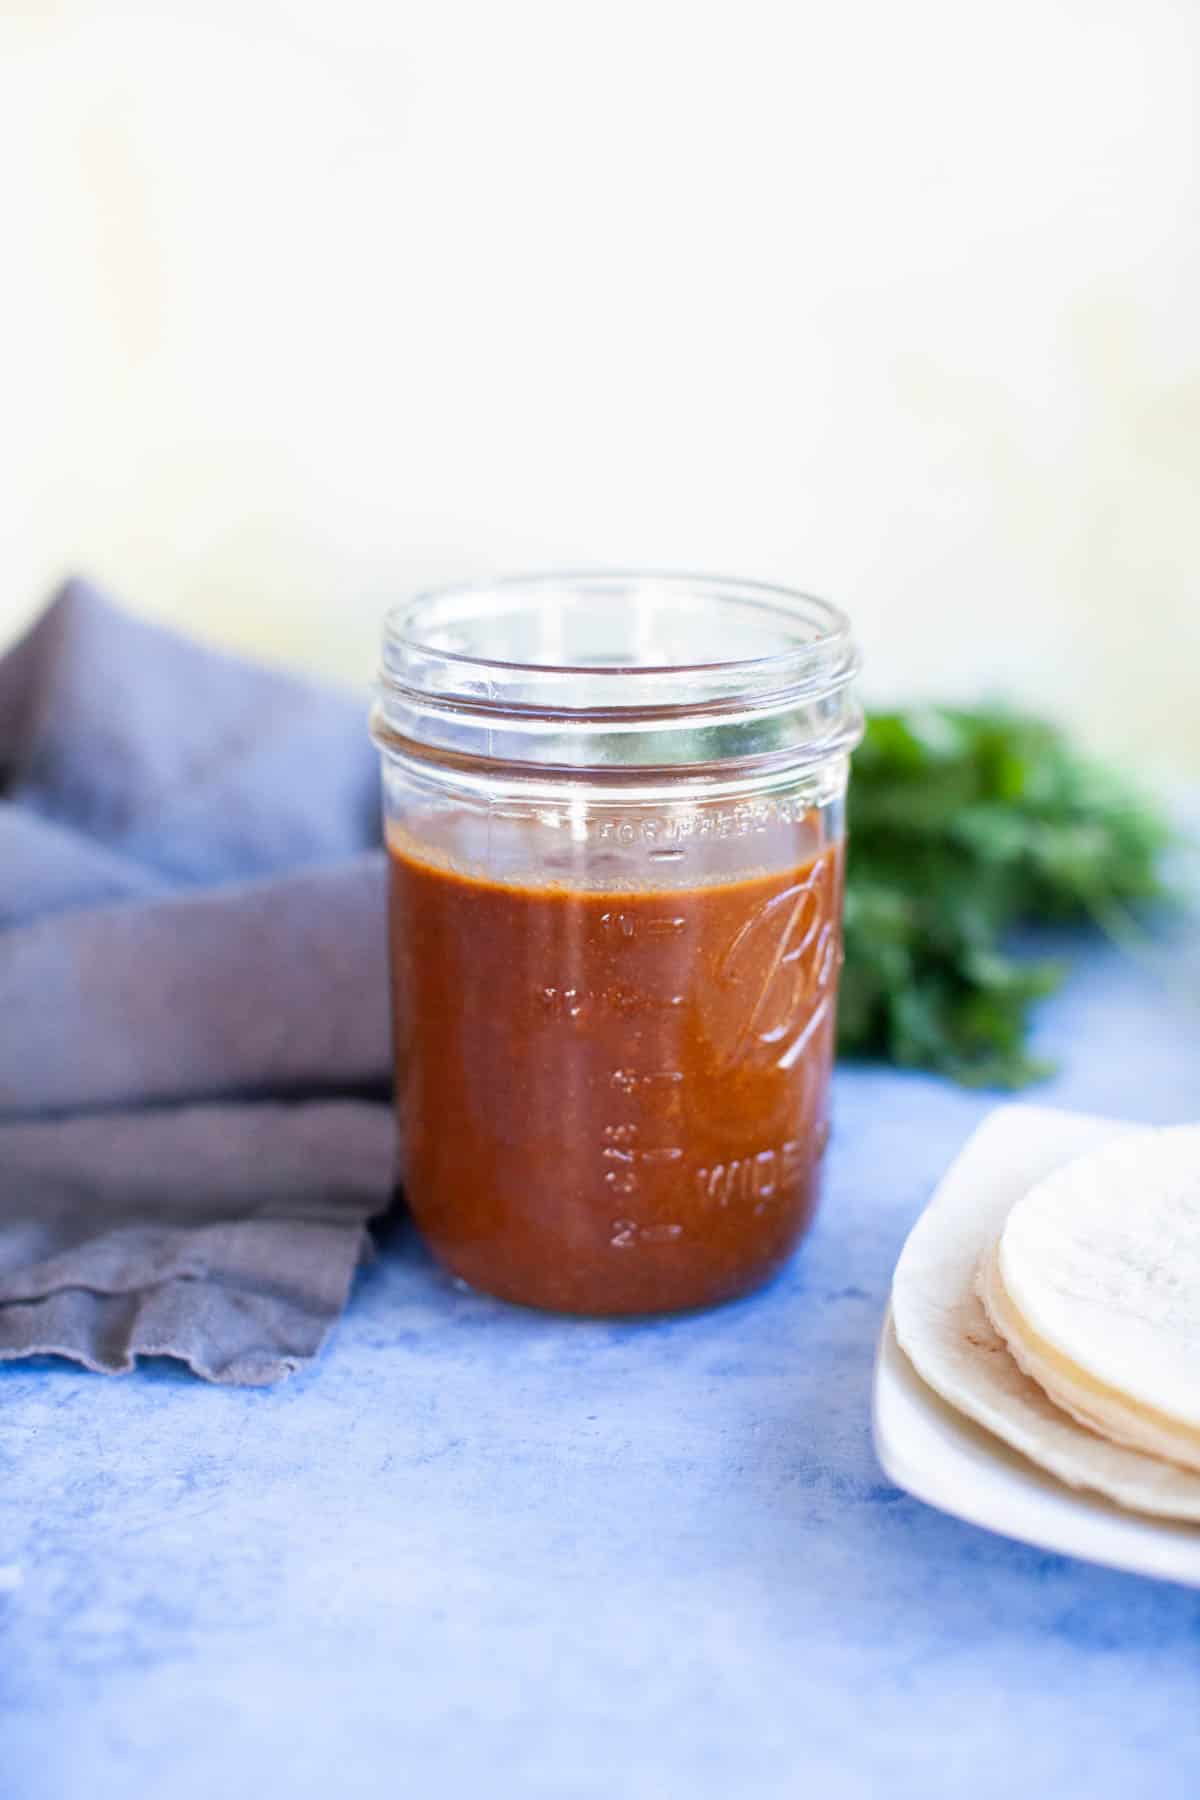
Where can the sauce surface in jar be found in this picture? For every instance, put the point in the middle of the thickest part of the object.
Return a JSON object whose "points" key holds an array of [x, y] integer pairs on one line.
{"points": [[614, 1100]]}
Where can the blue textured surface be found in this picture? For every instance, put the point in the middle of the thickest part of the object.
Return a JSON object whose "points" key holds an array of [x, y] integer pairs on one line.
{"points": [[482, 1552]]}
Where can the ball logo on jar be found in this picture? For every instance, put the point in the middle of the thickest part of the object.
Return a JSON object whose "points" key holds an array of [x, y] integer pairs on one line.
{"points": [[782, 963]]}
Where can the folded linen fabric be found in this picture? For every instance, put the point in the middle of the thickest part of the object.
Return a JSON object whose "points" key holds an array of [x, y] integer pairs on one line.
{"points": [[194, 1058]]}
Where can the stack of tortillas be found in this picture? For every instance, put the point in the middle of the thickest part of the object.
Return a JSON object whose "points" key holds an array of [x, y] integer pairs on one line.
{"points": [[1066, 1319]]}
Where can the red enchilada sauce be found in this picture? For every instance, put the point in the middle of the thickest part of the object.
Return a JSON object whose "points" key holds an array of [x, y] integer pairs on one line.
{"points": [[614, 1101]]}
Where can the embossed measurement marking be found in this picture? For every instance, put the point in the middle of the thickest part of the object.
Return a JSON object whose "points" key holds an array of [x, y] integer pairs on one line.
{"points": [[627, 1081], [621, 1181], [659, 1157], [625, 1158], [629, 925], [619, 997], [627, 1234]]}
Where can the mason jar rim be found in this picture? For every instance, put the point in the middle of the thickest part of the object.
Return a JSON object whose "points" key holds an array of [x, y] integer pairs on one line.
{"points": [[439, 701], [827, 650]]}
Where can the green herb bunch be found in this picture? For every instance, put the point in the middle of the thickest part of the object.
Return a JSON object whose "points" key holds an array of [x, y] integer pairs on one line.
{"points": [[965, 826]]}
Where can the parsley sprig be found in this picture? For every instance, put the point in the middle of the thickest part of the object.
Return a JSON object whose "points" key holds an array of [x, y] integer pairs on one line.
{"points": [[965, 826]]}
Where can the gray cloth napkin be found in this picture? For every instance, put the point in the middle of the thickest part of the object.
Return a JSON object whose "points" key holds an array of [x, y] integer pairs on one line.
{"points": [[194, 1055]]}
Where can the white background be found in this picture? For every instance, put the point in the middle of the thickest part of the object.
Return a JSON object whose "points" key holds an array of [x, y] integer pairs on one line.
{"points": [[308, 304]]}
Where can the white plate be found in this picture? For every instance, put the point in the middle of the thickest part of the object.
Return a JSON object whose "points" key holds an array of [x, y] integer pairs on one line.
{"points": [[942, 1458], [945, 1459]]}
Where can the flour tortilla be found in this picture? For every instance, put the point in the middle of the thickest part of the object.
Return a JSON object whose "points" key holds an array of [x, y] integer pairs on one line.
{"points": [[1102, 1409], [1101, 1261], [945, 1331]]}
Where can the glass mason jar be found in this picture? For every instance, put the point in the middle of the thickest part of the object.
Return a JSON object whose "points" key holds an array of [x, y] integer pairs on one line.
{"points": [[614, 810]]}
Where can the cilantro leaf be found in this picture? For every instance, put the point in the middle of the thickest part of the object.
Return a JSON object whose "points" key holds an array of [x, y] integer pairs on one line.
{"points": [[965, 826]]}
